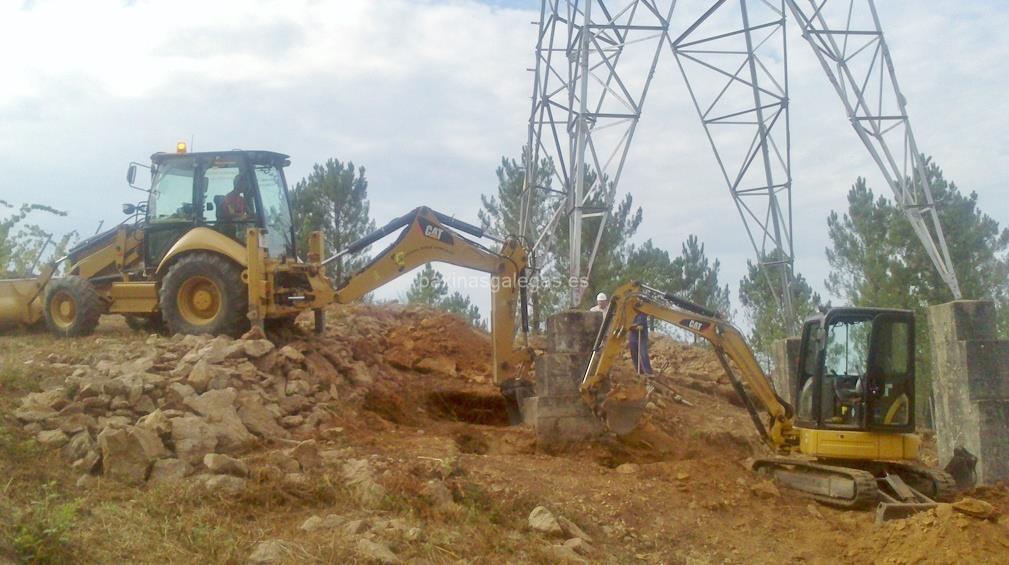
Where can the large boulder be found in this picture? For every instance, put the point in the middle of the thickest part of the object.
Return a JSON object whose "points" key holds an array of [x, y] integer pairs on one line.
{"points": [[543, 520], [193, 438], [127, 453], [168, 470], [218, 407], [257, 418]]}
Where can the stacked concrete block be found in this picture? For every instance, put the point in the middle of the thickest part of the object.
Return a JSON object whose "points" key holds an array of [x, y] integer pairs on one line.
{"points": [[786, 367], [558, 412], [970, 385]]}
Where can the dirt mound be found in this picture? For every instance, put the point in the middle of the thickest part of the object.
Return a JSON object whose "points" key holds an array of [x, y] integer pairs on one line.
{"points": [[943, 535], [413, 338]]}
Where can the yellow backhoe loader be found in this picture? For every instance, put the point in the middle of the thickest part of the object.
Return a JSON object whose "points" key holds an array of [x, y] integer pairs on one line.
{"points": [[852, 441], [212, 251]]}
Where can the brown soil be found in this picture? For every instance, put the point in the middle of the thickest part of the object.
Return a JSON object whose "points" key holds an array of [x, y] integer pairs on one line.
{"points": [[415, 399]]}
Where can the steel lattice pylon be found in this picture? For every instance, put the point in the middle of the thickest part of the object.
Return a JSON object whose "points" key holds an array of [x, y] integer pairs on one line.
{"points": [[734, 59], [848, 41], [585, 107], [738, 81]]}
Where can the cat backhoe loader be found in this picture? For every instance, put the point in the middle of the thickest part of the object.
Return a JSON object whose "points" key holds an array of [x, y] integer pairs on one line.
{"points": [[851, 443], [212, 251]]}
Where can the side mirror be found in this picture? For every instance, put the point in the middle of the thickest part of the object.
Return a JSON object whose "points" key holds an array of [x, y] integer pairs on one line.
{"points": [[131, 176]]}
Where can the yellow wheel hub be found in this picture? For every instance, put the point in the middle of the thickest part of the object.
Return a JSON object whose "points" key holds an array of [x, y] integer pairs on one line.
{"points": [[199, 300], [63, 309]]}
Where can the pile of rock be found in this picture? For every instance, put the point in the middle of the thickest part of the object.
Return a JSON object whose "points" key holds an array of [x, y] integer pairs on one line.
{"points": [[172, 407]]}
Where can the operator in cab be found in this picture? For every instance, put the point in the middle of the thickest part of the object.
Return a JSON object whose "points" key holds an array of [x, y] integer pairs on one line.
{"points": [[234, 206]]}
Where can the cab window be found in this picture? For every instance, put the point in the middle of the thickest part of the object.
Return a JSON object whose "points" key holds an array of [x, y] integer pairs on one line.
{"points": [[890, 390], [171, 197], [229, 203], [845, 367], [276, 211]]}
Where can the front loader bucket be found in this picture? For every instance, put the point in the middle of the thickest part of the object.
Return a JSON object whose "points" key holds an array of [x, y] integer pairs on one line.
{"points": [[20, 302], [624, 406]]}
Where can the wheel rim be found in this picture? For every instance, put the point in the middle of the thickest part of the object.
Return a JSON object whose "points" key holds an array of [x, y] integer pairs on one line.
{"points": [[199, 300], [63, 309]]}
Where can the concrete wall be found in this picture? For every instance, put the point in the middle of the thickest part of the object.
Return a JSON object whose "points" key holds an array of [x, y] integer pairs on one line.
{"points": [[970, 385], [786, 367], [558, 412]]}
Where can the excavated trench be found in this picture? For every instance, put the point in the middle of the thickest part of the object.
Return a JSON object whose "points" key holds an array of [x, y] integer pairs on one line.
{"points": [[487, 409]]}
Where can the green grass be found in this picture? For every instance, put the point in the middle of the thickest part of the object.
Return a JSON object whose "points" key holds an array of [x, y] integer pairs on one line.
{"points": [[42, 530]]}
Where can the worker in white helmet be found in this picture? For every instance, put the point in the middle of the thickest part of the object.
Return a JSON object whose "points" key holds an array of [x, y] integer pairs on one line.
{"points": [[601, 303]]}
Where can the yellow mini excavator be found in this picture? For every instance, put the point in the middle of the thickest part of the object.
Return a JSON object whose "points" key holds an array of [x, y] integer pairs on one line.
{"points": [[851, 442], [212, 251]]}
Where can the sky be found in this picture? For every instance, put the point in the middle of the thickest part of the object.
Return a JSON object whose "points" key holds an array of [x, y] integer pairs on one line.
{"points": [[429, 95]]}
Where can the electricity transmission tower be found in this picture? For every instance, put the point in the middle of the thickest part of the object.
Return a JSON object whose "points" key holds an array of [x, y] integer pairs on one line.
{"points": [[595, 60]]}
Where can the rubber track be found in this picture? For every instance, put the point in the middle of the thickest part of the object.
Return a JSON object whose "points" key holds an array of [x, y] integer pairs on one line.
{"points": [[943, 483], [866, 493]]}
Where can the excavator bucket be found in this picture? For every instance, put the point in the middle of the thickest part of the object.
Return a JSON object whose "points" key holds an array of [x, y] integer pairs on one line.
{"points": [[624, 406]]}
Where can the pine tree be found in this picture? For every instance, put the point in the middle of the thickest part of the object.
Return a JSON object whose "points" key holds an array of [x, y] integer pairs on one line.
{"points": [[501, 214], [460, 305], [762, 306], [700, 277], [428, 288], [333, 198]]}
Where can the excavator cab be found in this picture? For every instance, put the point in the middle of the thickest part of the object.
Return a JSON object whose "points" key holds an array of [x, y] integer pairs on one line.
{"points": [[227, 191], [856, 371]]}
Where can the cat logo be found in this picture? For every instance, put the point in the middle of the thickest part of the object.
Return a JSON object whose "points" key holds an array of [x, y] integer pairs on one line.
{"points": [[694, 325], [435, 232]]}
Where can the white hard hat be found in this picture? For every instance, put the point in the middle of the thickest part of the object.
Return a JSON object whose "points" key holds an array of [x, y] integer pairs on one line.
{"points": [[600, 297]]}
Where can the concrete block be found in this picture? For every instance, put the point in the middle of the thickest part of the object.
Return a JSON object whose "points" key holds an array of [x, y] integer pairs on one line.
{"points": [[560, 374], [786, 368], [573, 331], [963, 320], [993, 441], [561, 416], [986, 369], [970, 385]]}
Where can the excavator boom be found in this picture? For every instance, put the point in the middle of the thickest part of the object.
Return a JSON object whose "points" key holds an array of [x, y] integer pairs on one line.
{"points": [[727, 340], [427, 236]]}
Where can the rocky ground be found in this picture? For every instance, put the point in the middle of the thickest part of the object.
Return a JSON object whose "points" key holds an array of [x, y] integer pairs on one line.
{"points": [[385, 441]]}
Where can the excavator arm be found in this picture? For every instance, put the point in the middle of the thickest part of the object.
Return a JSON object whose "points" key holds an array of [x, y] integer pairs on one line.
{"points": [[427, 236], [728, 342]]}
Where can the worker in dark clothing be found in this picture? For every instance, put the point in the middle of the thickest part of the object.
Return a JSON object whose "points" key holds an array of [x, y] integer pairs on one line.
{"points": [[638, 344]]}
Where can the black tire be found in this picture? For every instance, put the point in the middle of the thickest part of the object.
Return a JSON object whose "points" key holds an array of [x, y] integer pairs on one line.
{"points": [[72, 307], [185, 311]]}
